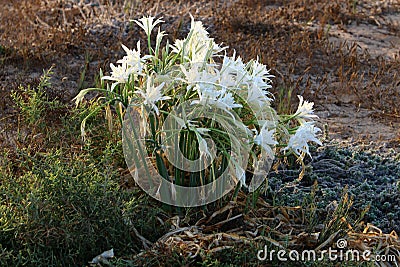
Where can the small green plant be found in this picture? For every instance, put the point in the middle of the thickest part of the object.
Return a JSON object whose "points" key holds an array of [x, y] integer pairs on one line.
{"points": [[336, 223], [82, 76], [2, 50], [32, 101], [284, 99], [310, 204], [354, 4], [3, 54]]}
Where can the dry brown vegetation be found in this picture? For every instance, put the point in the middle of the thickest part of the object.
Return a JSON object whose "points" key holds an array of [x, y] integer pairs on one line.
{"points": [[323, 49]]}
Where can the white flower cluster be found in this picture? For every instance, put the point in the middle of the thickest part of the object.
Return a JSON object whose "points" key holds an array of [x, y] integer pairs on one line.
{"points": [[194, 69], [307, 131]]}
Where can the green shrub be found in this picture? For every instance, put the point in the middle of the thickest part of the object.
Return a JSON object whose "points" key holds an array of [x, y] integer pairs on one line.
{"points": [[60, 209], [32, 101]]}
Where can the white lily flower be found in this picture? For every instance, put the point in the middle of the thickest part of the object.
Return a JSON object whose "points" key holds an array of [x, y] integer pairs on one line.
{"points": [[208, 95], [199, 47], [259, 70], [258, 98], [260, 76], [227, 102], [305, 110], [199, 53], [133, 59], [177, 46], [258, 84], [201, 40], [192, 76], [227, 80], [298, 142], [232, 65], [212, 97], [198, 29], [240, 174], [266, 139], [160, 36], [206, 149], [148, 24], [201, 80], [120, 74], [203, 147], [237, 68], [152, 95]]}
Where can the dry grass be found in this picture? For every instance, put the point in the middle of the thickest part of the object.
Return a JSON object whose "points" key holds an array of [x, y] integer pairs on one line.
{"points": [[247, 229], [290, 36]]}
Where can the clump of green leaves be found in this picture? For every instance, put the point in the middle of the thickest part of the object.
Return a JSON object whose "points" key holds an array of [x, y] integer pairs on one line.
{"points": [[33, 101]]}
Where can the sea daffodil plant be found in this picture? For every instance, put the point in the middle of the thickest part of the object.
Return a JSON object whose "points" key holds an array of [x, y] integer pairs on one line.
{"points": [[200, 113]]}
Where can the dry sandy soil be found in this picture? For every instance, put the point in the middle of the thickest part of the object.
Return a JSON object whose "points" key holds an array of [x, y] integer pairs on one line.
{"points": [[344, 55]]}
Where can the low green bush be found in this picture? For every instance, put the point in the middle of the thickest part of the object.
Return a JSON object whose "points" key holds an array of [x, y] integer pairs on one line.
{"points": [[64, 204]]}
